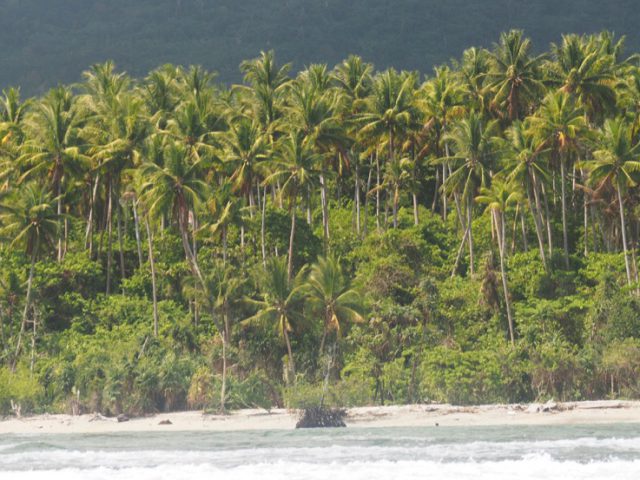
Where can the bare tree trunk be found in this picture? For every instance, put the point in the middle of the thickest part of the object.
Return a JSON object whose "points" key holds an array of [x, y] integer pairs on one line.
{"points": [[416, 220], [356, 194], [154, 288], [136, 224], [470, 227], [59, 211], [123, 273], [377, 191], [109, 239], [366, 200], [223, 387], [262, 229], [565, 234], [291, 238], [325, 212], [292, 366], [27, 304], [624, 236], [500, 226], [537, 224]]}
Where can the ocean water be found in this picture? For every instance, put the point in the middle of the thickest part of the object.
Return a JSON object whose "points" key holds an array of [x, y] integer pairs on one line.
{"points": [[496, 453]]}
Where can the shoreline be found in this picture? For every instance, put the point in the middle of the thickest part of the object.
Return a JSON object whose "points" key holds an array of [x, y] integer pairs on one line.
{"points": [[551, 413]]}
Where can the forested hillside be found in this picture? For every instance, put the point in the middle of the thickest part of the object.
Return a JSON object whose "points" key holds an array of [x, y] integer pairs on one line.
{"points": [[45, 42]]}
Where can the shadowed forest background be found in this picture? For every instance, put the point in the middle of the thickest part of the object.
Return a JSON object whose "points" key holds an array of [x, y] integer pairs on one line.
{"points": [[46, 42]]}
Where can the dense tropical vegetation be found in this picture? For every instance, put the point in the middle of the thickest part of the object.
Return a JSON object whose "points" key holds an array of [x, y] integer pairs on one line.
{"points": [[338, 234]]}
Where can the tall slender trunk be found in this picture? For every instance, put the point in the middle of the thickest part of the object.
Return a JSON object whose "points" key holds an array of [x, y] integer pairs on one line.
{"points": [[377, 190], [356, 194], [500, 227], [396, 196], [325, 212], [59, 212], [27, 303], [365, 220], [548, 222], [291, 238], [624, 236], [445, 207], [525, 241], [223, 387], [262, 229], [89, 233], [416, 219], [109, 239], [470, 229], [565, 233], [292, 366], [123, 273], [537, 224], [136, 224], [154, 288]]}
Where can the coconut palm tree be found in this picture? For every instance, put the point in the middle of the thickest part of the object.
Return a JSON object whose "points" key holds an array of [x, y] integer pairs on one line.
{"points": [[498, 197], [295, 166], [526, 166], [281, 302], [31, 221], [559, 124], [54, 146], [474, 151], [329, 293], [617, 164], [514, 75], [174, 184]]}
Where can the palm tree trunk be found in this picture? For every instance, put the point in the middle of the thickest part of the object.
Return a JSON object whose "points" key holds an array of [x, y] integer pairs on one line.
{"points": [[123, 273], [136, 224], [89, 233], [548, 222], [536, 222], [624, 236], [291, 237], [377, 190], [356, 194], [223, 387], [460, 250], [109, 239], [154, 288], [325, 212], [292, 366], [500, 226], [565, 234], [416, 220], [365, 219], [27, 304], [396, 196], [262, 229], [59, 211], [525, 241], [470, 229]]}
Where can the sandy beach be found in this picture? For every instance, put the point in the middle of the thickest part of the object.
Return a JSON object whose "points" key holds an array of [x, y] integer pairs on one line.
{"points": [[597, 412]]}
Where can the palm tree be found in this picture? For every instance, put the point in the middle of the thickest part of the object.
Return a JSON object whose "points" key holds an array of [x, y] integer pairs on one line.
{"points": [[514, 75], [525, 166], [221, 291], [559, 124], [174, 184], [617, 164], [390, 110], [31, 221], [281, 302], [295, 165], [13, 113], [53, 148], [474, 148], [498, 198], [329, 292]]}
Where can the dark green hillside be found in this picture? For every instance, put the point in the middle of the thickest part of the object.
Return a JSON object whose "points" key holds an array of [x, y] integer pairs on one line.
{"points": [[45, 42]]}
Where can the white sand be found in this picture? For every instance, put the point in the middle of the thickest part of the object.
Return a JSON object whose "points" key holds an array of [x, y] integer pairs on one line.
{"points": [[388, 416]]}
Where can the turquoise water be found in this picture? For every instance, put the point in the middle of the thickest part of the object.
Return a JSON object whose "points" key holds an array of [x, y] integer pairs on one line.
{"points": [[567, 452]]}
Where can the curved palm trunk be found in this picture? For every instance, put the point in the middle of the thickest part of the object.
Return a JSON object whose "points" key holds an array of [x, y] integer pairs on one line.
{"points": [[153, 278], [624, 236], [59, 212], [291, 238]]}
